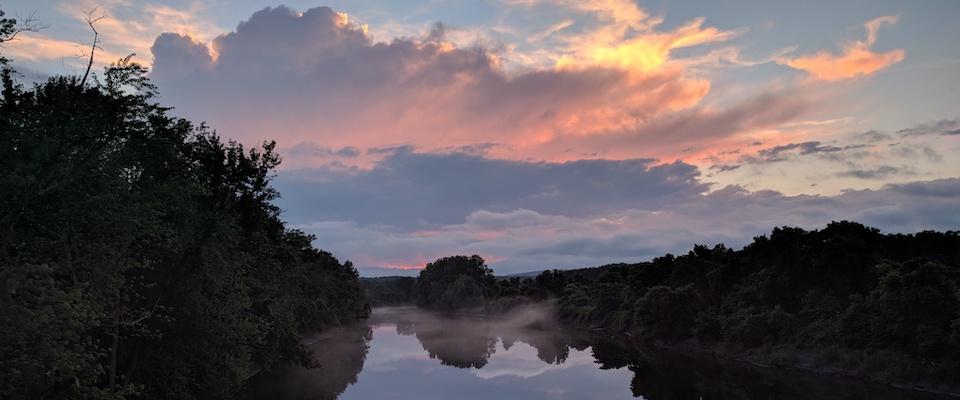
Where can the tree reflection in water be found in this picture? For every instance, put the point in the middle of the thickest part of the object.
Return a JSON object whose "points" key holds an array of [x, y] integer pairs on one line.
{"points": [[341, 353], [469, 342]]}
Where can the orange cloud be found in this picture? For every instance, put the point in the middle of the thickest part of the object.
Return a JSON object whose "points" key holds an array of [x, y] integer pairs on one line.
{"points": [[857, 59], [340, 88], [42, 48], [647, 52]]}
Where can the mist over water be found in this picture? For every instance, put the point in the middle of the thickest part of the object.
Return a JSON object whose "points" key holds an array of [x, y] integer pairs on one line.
{"points": [[406, 353]]}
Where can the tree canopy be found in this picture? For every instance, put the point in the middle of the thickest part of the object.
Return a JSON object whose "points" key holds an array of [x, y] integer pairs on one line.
{"points": [[141, 253], [453, 283], [892, 300]]}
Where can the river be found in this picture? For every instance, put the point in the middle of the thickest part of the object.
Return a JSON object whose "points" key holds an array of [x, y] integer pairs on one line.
{"points": [[404, 353]]}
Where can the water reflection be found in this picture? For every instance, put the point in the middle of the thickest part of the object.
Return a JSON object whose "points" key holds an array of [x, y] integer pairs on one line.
{"points": [[405, 354], [469, 341], [342, 353], [460, 343]]}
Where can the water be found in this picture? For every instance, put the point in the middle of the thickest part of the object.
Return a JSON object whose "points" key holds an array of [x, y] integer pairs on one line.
{"points": [[403, 353]]}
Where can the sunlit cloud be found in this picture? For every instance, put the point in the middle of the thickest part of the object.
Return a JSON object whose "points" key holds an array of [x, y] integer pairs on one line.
{"points": [[856, 58], [553, 134], [829, 156], [38, 47], [338, 86], [122, 28], [645, 53]]}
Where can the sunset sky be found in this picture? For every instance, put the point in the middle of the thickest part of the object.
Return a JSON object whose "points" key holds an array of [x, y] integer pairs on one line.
{"points": [[554, 134]]}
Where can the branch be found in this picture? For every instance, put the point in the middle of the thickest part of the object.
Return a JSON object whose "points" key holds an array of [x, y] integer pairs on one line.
{"points": [[10, 28], [91, 20], [30, 23]]}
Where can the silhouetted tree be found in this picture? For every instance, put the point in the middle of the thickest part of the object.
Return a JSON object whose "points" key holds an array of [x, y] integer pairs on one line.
{"points": [[456, 282]]}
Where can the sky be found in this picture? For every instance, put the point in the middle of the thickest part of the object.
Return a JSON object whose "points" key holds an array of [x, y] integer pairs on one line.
{"points": [[553, 134]]}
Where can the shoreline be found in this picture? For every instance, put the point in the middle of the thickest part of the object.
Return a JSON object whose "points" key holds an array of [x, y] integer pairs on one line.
{"points": [[805, 364]]}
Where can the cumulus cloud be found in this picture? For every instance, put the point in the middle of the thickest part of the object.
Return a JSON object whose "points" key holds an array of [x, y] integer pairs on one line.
{"points": [[317, 77], [856, 58], [400, 151], [123, 27]]}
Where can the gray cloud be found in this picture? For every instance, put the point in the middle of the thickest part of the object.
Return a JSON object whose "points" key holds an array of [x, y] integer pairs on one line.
{"points": [[943, 188], [880, 172], [413, 208], [315, 150], [724, 167], [409, 188], [875, 136], [178, 56], [914, 151], [774, 153], [941, 127]]}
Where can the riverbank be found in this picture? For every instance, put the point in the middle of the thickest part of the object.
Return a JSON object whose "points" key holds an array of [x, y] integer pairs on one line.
{"points": [[882, 367], [873, 366]]}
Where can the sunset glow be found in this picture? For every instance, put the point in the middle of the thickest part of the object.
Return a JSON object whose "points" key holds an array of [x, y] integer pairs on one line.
{"points": [[857, 58], [555, 134]]}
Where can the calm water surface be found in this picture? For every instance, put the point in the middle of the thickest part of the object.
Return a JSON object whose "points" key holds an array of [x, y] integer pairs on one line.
{"points": [[402, 353]]}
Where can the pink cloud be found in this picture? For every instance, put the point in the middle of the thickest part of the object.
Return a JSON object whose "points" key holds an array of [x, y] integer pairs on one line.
{"points": [[857, 58], [317, 78]]}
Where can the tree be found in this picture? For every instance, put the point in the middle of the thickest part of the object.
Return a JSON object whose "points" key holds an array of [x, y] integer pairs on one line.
{"points": [[668, 312], [11, 27], [141, 254], [456, 282], [911, 309]]}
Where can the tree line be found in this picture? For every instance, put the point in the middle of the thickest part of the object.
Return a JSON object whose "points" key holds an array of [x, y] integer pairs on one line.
{"points": [[879, 304], [140, 253]]}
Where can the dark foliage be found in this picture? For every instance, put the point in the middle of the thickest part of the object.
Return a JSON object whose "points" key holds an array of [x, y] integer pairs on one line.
{"points": [[846, 287], [388, 291], [140, 254], [453, 283]]}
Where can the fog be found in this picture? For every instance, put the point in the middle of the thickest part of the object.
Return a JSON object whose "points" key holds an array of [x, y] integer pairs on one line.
{"points": [[407, 353], [469, 340]]}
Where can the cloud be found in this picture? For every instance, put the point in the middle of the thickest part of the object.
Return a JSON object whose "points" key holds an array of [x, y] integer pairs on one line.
{"points": [[856, 58], [880, 172], [773, 153], [126, 27], [724, 167], [183, 55], [413, 208], [442, 189], [945, 127], [401, 151], [316, 77], [914, 152], [314, 150], [943, 188], [875, 136]]}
